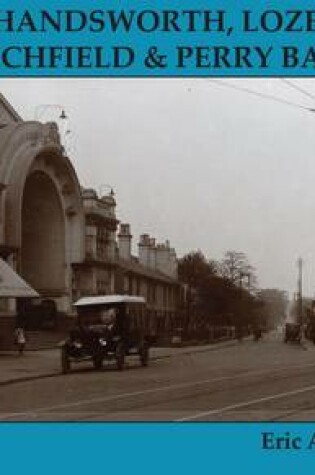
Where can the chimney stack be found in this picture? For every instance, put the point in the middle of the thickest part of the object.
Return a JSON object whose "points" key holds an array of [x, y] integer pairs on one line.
{"points": [[166, 261], [144, 249], [124, 242], [152, 254]]}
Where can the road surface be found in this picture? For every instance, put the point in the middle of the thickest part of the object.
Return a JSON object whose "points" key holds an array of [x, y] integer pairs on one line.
{"points": [[252, 381]]}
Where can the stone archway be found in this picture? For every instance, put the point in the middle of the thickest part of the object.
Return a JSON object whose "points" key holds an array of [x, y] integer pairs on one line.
{"points": [[42, 211], [43, 258]]}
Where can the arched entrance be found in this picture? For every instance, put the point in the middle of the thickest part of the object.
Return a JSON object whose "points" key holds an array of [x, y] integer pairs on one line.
{"points": [[43, 258], [42, 211]]}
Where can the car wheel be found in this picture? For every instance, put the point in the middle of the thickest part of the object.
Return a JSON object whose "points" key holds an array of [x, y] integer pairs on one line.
{"points": [[65, 362], [144, 355], [120, 357]]}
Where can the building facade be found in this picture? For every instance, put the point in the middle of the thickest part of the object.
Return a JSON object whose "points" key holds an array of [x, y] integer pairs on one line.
{"points": [[62, 239], [41, 210], [110, 267], [95, 274], [152, 274]]}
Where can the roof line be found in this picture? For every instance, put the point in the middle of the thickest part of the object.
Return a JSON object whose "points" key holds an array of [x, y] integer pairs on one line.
{"points": [[10, 109]]}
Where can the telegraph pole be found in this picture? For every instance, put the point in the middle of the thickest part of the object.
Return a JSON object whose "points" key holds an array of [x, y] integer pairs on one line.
{"points": [[299, 293]]}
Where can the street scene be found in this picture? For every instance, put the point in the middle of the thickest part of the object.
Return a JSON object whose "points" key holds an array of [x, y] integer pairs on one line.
{"points": [[156, 250], [248, 381]]}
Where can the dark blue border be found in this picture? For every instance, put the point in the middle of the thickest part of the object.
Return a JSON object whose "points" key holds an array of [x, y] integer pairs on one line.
{"points": [[166, 42], [152, 448]]}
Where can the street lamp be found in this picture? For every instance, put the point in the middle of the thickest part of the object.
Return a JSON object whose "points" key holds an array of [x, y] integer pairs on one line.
{"points": [[104, 187], [59, 113]]}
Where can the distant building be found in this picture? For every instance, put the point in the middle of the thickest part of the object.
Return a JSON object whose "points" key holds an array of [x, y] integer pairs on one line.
{"points": [[276, 306]]}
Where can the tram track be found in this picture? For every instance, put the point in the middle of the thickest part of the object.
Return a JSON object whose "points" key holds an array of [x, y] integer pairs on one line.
{"points": [[150, 399]]}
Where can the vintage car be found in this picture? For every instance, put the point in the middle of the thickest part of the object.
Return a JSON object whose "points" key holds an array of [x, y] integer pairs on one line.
{"points": [[292, 332], [108, 327]]}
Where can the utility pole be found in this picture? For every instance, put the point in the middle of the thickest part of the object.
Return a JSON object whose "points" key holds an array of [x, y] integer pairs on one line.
{"points": [[299, 293]]}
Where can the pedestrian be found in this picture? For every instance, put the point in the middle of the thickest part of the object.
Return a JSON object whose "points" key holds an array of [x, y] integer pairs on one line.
{"points": [[239, 333], [20, 340], [257, 333]]}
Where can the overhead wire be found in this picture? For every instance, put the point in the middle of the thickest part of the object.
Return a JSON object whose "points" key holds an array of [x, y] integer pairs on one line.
{"points": [[262, 95], [297, 88]]}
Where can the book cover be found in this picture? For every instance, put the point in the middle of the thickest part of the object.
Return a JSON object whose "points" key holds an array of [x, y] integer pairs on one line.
{"points": [[156, 255]]}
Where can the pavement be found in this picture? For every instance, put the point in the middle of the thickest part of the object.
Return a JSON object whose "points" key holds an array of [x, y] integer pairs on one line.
{"points": [[46, 363]]}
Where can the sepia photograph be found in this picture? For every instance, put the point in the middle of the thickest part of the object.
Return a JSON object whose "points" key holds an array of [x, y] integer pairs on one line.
{"points": [[157, 250]]}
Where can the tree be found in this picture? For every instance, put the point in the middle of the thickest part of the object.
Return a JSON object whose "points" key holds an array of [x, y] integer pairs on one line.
{"points": [[217, 294], [236, 268], [195, 272], [194, 269]]}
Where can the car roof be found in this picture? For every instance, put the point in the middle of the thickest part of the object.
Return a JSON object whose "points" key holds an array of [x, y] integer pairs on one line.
{"points": [[108, 299]]}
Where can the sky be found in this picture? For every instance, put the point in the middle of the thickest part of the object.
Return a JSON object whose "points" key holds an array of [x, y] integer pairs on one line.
{"points": [[207, 164]]}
